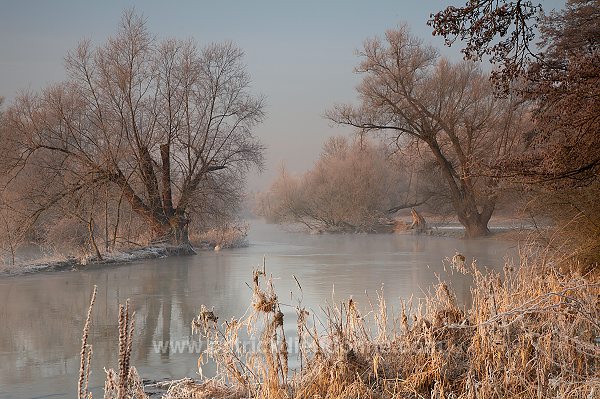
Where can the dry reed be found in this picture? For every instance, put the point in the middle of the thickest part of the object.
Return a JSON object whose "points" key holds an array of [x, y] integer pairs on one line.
{"points": [[126, 384], [86, 353], [530, 332], [228, 236]]}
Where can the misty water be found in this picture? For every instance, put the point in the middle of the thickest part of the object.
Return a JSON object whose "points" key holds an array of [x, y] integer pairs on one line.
{"points": [[41, 315]]}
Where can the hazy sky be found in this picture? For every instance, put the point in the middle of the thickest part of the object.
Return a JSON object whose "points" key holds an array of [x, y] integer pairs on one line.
{"points": [[300, 54]]}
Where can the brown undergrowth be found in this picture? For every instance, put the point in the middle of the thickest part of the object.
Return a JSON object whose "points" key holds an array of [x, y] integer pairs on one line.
{"points": [[531, 332]]}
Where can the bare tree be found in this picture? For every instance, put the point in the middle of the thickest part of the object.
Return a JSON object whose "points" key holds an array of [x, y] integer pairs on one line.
{"points": [[353, 187], [560, 75], [561, 79], [153, 119], [415, 96], [562, 162], [564, 85], [10, 233], [11, 236]]}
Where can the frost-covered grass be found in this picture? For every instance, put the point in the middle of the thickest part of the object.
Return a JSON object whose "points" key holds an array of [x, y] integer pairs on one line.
{"points": [[228, 236], [60, 263], [531, 332]]}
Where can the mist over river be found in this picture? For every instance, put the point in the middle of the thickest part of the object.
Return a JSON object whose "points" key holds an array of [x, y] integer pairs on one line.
{"points": [[42, 314]]}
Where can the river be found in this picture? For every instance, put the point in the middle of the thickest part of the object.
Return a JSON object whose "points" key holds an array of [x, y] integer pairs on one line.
{"points": [[41, 315]]}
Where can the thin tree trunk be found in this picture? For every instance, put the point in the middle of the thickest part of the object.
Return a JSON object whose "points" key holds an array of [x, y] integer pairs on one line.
{"points": [[106, 240], [11, 242], [117, 221], [93, 239], [167, 196]]}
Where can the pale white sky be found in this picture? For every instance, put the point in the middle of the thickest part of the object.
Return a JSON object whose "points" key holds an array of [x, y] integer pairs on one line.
{"points": [[300, 54]]}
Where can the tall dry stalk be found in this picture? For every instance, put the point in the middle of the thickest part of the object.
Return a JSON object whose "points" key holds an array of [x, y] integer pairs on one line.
{"points": [[86, 353]]}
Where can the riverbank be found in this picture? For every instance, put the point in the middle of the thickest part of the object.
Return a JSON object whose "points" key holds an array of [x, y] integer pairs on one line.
{"points": [[500, 231], [229, 236], [507, 228], [503, 229], [70, 263]]}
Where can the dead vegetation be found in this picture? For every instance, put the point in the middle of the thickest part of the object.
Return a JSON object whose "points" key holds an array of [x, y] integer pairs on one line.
{"points": [[531, 332], [229, 235]]}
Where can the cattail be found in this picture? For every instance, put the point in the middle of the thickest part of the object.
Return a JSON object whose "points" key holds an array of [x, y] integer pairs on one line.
{"points": [[126, 329], [87, 371], [130, 343], [122, 348]]}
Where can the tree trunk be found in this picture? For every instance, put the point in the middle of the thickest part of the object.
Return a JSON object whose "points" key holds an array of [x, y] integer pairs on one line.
{"points": [[173, 233], [170, 231], [476, 228], [475, 223], [92, 239], [463, 197]]}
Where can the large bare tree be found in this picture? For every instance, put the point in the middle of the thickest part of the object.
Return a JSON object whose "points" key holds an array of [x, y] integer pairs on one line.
{"points": [[561, 79], [564, 84], [154, 119], [414, 95]]}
